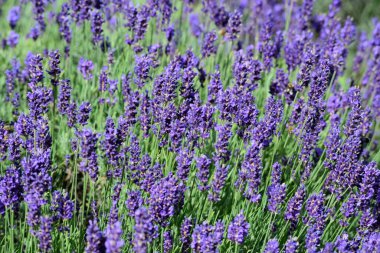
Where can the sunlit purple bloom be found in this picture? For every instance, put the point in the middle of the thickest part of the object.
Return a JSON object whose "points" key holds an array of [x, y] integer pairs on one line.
{"points": [[207, 238], [291, 245], [54, 69], [95, 238], [96, 27], [203, 165], [144, 230], [168, 241], [208, 46], [238, 229], [45, 234], [272, 246], [114, 243], [11, 188], [84, 113]]}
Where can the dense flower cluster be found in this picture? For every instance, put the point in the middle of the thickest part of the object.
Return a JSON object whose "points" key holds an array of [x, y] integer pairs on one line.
{"points": [[188, 126]]}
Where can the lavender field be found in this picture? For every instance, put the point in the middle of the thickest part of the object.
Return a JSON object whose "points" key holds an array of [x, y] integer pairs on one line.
{"points": [[189, 126]]}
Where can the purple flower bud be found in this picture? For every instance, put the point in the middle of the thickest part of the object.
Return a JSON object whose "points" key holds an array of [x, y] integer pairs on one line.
{"points": [[234, 26], [61, 206], [64, 96], [218, 182], [203, 165], [295, 205], [291, 245], [11, 188], [39, 100], [54, 70], [166, 198], [207, 238], [114, 243], [133, 202], [88, 153], [250, 173], [208, 46], [44, 235], [238, 229], [186, 229], [94, 237], [168, 242], [144, 230], [276, 191], [96, 27], [272, 246], [84, 113], [195, 25]]}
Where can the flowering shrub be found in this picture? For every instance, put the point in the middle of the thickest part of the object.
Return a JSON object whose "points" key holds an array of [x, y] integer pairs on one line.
{"points": [[188, 126]]}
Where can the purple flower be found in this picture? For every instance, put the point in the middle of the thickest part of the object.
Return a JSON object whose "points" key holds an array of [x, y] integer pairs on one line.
{"points": [[203, 165], [218, 13], [166, 198], [291, 245], [61, 206], [186, 229], [280, 84], [111, 142], [95, 238], [88, 154], [141, 23], [371, 243], [84, 113], [38, 11], [316, 211], [96, 27], [313, 239], [14, 16], [250, 173], [246, 72], [221, 145], [238, 229], [369, 186], [215, 86], [44, 235], [276, 191], [207, 238], [85, 67], [168, 242], [218, 182], [39, 100], [294, 207], [64, 96], [195, 25], [234, 26], [266, 128], [208, 46], [272, 246], [54, 70], [114, 243], [64, 22], [133, 202], [36, 73], [144, 230], [142, 67], [11, 188]]}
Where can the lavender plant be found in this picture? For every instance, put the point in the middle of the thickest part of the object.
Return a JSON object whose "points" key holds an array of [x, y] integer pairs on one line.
{"points": [[188, 126]]}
